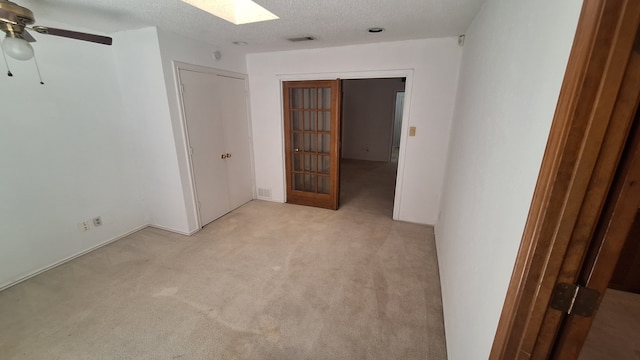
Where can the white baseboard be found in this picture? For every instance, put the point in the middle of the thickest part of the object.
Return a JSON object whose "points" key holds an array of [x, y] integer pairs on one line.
{"points": [[67, 259], [174, 230]]}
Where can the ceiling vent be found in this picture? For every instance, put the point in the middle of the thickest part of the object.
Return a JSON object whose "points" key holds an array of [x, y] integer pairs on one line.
{"points": [[301, 38]]}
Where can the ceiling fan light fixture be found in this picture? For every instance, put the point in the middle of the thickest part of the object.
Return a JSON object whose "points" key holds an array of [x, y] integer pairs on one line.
{"points": [[17, 48]]}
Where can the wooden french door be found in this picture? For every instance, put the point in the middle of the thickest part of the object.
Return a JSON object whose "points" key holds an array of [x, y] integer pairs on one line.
{"points": [[312, 144]]}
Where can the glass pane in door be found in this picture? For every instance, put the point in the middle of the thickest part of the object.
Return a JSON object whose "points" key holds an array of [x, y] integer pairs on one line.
{"points": [[298, 182], [323, 184], [296, 120], [309, 183], [310, 142], [325, 98], [324, 123], [297, 140], [297, 162], [310, 120], [324, 143], [323, 164], [296, 98]]}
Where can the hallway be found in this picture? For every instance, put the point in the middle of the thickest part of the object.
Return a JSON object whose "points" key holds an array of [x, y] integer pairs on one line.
{"points": [[368, 186]]}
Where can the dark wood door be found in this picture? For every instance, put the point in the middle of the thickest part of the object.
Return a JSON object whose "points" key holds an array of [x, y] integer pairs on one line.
{"points": [[312, 144]]}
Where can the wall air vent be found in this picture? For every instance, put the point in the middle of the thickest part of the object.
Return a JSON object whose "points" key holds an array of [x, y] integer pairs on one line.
{"points": [[301, 38]]}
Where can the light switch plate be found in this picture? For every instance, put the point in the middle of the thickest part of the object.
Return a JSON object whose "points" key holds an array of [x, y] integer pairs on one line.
{"points": [[412, 131]]}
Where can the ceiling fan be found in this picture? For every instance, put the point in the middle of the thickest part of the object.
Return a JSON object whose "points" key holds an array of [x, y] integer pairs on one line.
{"points": [[15, 20]]}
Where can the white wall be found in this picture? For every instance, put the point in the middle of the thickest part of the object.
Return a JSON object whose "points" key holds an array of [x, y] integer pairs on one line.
{"points": [[64, 155], [435, 64], [103, 137], [368, 117], [512, 69], [146, 110], [174, 47]]}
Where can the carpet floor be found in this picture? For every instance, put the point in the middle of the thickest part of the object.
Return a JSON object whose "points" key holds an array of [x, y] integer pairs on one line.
{"points": [[616, 328], [266, 281]]}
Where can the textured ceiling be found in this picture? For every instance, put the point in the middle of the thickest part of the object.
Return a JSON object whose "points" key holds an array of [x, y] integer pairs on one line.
{"points": [[332, 22]]}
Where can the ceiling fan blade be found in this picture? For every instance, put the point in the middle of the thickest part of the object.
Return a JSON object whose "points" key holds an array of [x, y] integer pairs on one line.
{"points": [[74, 35], [26, 36]]}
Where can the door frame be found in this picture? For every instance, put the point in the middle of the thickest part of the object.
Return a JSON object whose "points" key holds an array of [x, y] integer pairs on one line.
{"points": [[605, 249], [587, 137], [393, 120], [349, 75], [191, 198]]}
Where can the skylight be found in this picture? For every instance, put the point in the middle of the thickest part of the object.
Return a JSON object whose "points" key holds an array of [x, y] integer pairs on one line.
{"points": [[234, 11]]}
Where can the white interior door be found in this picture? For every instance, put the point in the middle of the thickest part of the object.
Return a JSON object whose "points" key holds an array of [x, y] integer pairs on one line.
{"points": [[206, 138], [236, 127]]}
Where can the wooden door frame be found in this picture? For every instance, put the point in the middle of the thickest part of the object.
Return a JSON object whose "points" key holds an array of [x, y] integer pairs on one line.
{"points": [[613, 227], [588, 134]]}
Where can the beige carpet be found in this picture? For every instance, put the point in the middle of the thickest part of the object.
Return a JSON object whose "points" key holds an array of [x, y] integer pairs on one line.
{"points": [[615, 333], [267, 281]]}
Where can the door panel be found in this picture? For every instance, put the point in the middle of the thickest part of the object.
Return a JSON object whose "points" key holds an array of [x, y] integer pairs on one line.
{"points": [[206, 138], [236, 129], [312, 128]]}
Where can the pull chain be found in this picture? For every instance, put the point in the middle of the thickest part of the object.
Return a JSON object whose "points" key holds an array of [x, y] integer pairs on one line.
{"points": [[5, 62], [38, 69]]}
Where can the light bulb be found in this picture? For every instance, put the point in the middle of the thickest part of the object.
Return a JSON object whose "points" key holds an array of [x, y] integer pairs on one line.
{"points": [[17, 48]]}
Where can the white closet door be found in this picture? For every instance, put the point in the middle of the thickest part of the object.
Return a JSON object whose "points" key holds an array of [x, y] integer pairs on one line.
{"points": [[236, 125], [206, 138]]}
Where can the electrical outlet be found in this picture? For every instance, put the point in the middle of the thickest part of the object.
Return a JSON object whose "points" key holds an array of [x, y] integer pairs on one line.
{"points": [[97, 221], [83, 226]]}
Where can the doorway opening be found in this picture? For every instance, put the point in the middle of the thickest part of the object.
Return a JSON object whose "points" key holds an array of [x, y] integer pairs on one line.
{"points": [[403, 78], [372, 111]]}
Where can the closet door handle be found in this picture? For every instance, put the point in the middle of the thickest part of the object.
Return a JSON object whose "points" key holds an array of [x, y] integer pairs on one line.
{"points": [[228, 155], [223, 156]]}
